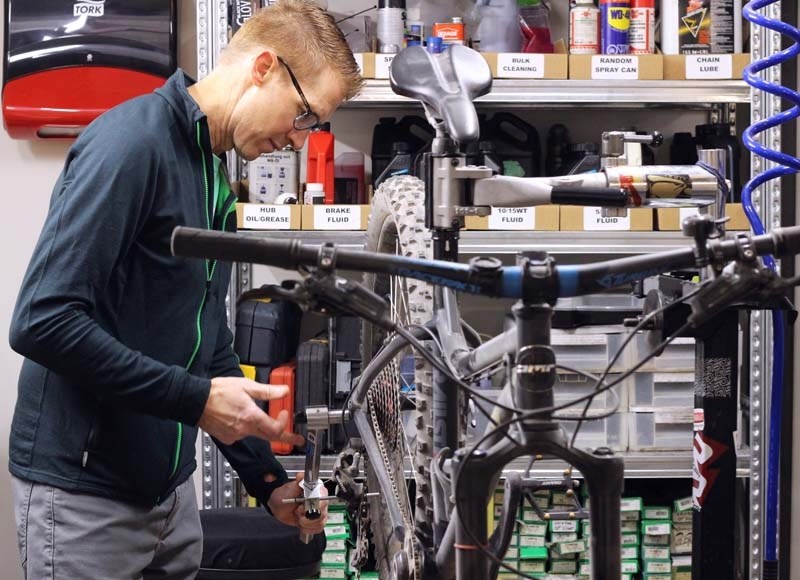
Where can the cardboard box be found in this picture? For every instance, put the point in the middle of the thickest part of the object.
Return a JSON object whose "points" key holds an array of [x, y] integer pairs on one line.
{"points": [[256, 216], [335, 217], [680, 67], [541, 218], [616, 67], [513, 65], [577, 219], [670, 219], [366, 64]]}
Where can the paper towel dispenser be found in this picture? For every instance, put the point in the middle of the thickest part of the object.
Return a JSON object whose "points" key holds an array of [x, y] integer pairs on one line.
{"points": [[68, 61]]}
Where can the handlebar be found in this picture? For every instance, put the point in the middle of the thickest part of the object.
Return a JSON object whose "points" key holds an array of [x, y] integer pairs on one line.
{"points": [[484, 276]]}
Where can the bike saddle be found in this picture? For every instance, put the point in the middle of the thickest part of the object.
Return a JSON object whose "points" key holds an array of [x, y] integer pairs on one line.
{"points": [[447, 83]]}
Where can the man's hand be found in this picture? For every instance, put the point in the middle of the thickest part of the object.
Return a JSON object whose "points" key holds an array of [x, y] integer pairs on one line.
{"points": [[294, 514], [232, 414]]}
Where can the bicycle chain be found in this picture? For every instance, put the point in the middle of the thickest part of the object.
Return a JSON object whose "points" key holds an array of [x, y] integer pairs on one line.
{"points": [[383, 399]]}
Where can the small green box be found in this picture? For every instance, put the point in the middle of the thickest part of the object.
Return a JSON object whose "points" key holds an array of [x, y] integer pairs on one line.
{"points": [[563, 536], [575, 547], [655, 553], [683, 517], [656, 527], [564, 525], [629, 527], [337, 532], [630, 566], [630, 539], [533, 553], [338, 545], [630, 552], [331, 557], [531, 542], [532, 528], [631, 504], [657, 513], [653, 540], [630, 516], [333, 571], [533, 566], [683, 504], [563, 567], [657, 567]]}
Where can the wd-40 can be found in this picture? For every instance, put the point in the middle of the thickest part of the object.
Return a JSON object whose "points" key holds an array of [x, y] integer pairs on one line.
{"points": [[615, 22]]}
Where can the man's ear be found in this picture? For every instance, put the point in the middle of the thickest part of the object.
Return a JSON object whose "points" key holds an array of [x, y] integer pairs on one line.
{"points": [[264, 64]]}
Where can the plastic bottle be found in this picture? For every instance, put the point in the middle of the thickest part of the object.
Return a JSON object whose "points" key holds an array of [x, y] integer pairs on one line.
{"points": [[535, 26], [584, 27], [314, 194], [498, 30], [391, 25], [349, 182], [642, 33], [400, 164], [319, 165]]}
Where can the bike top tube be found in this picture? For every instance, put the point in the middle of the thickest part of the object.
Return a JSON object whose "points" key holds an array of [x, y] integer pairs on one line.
{"points": [[499, 281]]}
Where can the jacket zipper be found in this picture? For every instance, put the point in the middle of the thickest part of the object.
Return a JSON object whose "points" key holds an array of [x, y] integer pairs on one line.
{"points": [[198, 321]]}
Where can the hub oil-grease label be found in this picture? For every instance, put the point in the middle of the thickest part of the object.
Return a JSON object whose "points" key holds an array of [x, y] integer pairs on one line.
{"points": [[267, 217]]}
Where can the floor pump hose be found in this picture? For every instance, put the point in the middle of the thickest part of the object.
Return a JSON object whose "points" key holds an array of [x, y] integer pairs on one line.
{"points": [[784, 165]]}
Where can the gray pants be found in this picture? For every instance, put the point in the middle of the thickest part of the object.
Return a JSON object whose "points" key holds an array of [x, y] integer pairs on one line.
{"points": [[73, 536]]}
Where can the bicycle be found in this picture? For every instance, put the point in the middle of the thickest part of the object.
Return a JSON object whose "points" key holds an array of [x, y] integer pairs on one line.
{"points": [[447, 525]]}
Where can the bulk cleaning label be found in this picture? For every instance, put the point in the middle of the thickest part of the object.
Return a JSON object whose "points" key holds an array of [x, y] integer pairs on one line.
{"points": [[520, 66], [337, 217], [593, 221], [383, 64], [615, 67], [512, 218], [267, 217], [709, 66]]}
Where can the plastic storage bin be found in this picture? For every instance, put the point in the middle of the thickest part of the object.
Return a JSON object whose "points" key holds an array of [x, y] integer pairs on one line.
{"points": [[571, 386], [660, 391], [677, 357], [611, 432], [586, 352], [663, 431]]}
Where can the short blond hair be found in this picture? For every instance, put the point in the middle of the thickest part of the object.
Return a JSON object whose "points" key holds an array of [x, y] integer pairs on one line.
{"points": [[305, 36]]}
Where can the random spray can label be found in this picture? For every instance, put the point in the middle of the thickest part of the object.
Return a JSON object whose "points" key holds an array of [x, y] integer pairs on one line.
{"points": [[615, 22]]}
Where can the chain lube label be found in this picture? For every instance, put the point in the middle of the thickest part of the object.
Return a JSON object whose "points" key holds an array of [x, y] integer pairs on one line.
{"points": [[520, 66], [709, 66], [267, 217], [337, 217], [616, 67], [512, 218], [593, 220]]}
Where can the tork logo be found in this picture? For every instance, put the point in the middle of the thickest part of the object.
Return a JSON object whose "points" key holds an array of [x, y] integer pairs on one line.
{"points": [[89, 8]]}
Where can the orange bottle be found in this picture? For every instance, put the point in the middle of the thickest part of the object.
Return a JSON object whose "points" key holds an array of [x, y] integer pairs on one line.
{"points": [[319, 165]]}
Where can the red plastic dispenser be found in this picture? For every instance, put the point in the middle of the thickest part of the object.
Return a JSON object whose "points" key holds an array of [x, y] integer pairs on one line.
{"points": [[67, 62], [319, 165]]}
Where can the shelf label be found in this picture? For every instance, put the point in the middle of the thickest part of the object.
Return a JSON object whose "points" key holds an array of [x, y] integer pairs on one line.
{"points": [[511, 65], [337, 217], [709, 66], [615, 67], [593, 221], [512, 218], [267, 217], [359, 62], [383, 64], [686, 212]]}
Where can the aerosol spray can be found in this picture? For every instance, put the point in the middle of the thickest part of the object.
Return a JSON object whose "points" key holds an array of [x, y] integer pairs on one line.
{"points": [[643, 27], [584, 27], [615, 22], [391, 25]]}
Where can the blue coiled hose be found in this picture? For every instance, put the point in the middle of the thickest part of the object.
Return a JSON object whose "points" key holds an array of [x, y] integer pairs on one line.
{"points": [[785, 165]]}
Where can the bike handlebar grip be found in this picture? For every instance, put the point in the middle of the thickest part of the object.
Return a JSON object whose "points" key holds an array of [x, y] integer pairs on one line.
{"points": [[216, 245], [590, 196]]}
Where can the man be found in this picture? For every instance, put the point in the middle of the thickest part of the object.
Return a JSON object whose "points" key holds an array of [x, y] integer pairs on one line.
{"points": [[127, 349]]}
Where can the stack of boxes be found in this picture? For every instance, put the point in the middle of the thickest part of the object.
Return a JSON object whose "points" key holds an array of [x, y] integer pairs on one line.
{"points": [[336, 557], [655, 403], [656, 541]]}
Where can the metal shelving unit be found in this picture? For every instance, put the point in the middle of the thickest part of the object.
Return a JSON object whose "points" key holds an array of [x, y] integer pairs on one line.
{"points": [[567, 93], [640, 465], [715, 96]]}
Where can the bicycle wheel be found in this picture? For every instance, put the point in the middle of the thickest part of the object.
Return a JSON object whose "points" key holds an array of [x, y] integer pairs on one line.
{"points": [[397, 226]]}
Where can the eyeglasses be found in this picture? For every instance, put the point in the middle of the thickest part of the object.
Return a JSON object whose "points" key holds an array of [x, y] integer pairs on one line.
{"points": [[309, 120]]}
